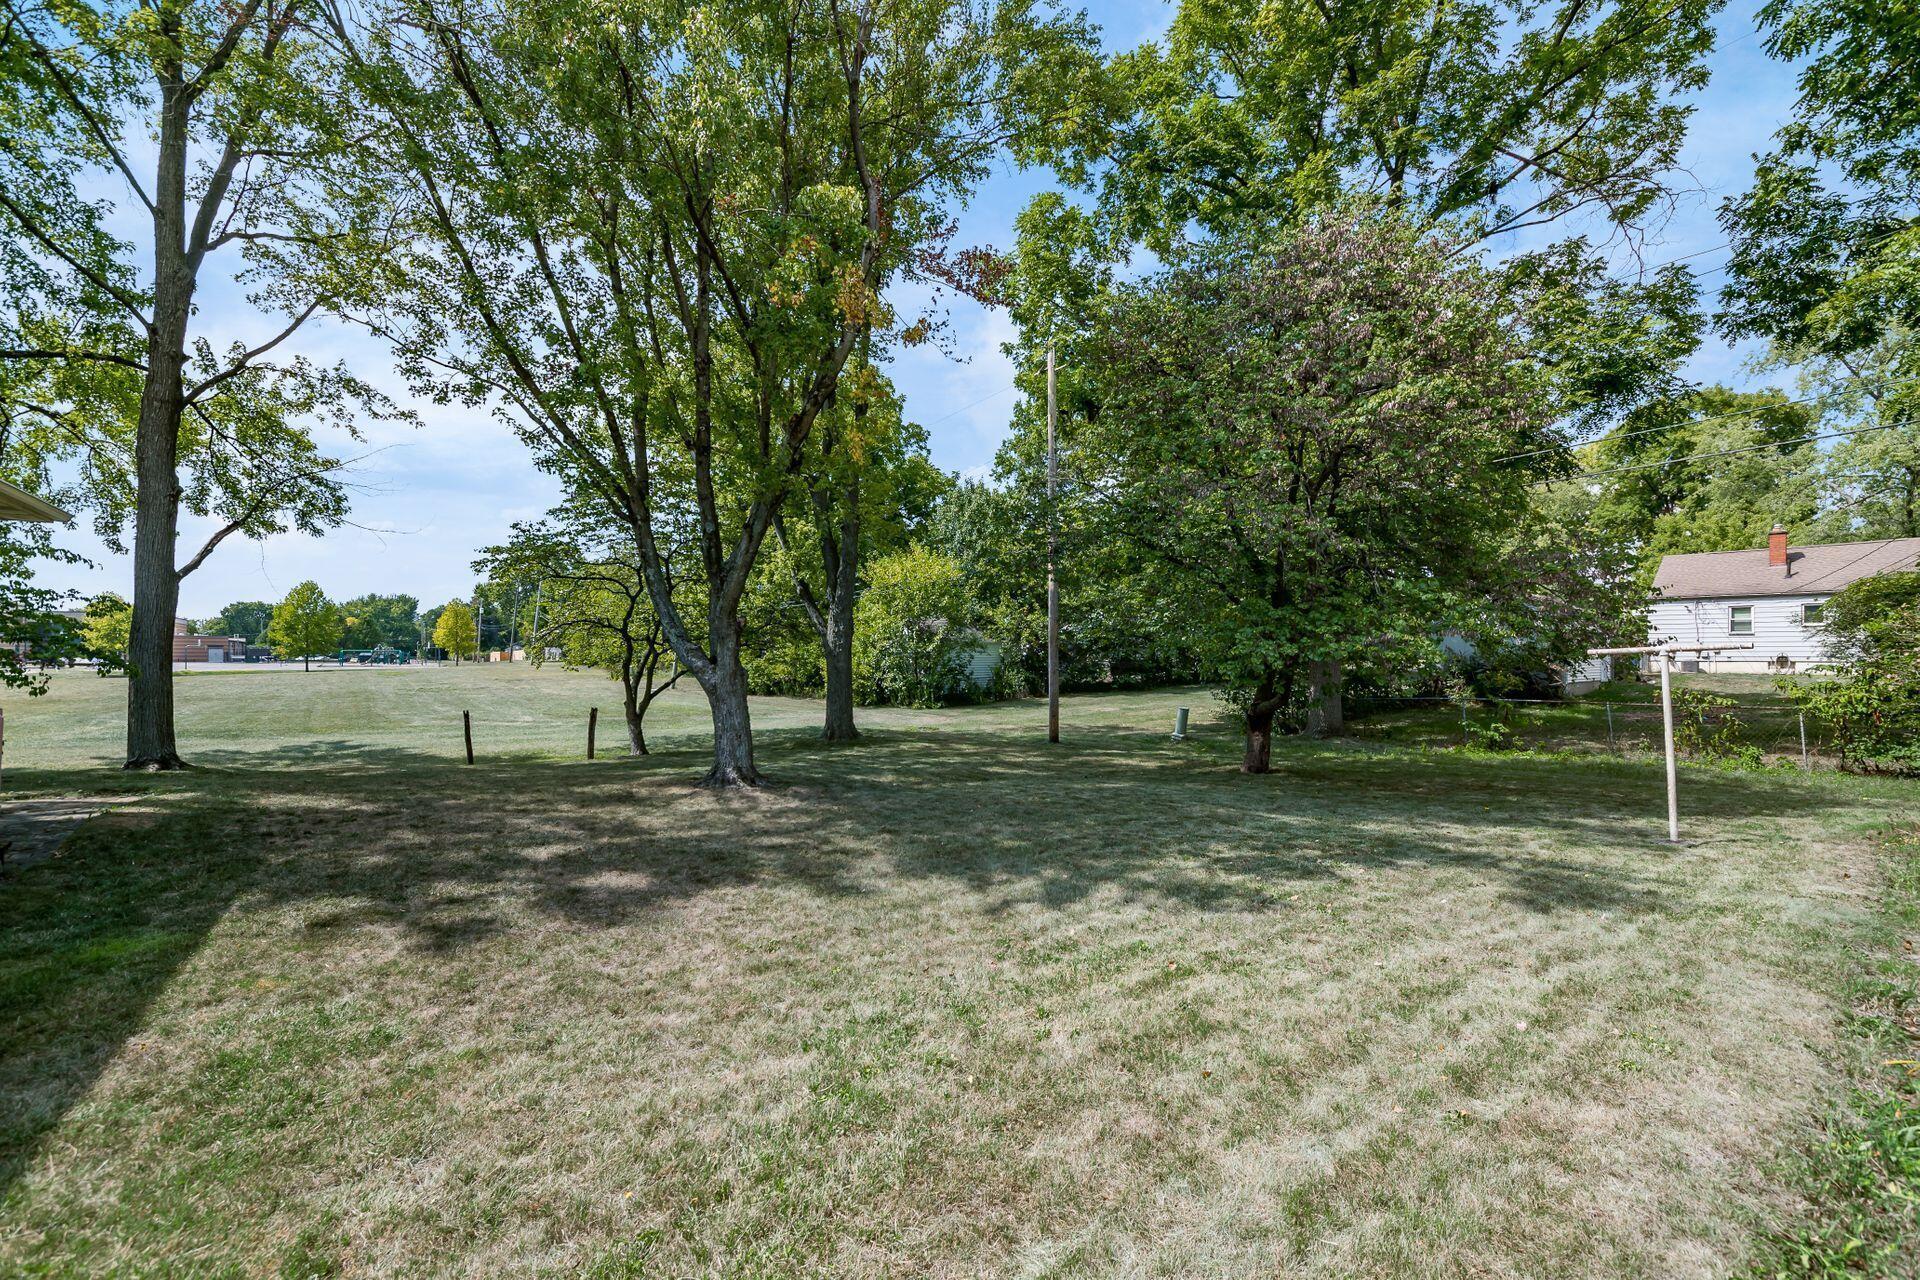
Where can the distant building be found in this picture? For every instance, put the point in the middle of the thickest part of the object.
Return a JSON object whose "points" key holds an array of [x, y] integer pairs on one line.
{"points": [[1769, 597], [189, 646]]}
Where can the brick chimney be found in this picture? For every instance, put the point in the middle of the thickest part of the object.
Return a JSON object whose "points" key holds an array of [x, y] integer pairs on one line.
{"points": [[1777, 547]]}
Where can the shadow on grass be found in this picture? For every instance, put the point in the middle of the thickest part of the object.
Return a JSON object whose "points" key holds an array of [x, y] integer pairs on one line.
{"points": [[448, 857], [91, 938]]}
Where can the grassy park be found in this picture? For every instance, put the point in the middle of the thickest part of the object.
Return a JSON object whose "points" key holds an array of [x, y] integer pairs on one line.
{"points": [[945, 1002]]}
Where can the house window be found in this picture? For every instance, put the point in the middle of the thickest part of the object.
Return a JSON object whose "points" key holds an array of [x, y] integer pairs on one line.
{"points": [[1810, 615], [1740, 620]]}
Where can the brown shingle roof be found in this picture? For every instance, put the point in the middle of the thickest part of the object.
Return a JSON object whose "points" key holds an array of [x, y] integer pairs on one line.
{"points": [[1815, 570]]}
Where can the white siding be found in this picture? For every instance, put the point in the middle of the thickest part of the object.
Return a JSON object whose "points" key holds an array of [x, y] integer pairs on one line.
{"points": [[1777, 630], [1584, 677], [983, 659]]}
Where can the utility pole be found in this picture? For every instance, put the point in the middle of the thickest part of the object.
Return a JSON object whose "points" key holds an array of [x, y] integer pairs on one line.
{"points": [[1053, 555], [533, 642], [1665, 653]]}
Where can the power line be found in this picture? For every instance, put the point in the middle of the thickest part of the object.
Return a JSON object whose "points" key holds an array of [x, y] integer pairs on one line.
{"points": [[1722, 453], [1011, 386], [1701, 253], [1690, 422]]}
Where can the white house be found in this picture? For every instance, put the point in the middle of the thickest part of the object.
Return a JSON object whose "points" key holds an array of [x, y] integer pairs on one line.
{"points": [[1769, 598]]}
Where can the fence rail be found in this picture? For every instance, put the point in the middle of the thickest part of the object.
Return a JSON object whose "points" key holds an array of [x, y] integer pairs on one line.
{"points": [[1768, 730]]}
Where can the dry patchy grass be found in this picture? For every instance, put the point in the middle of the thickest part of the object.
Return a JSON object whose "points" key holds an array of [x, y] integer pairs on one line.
{"points": [[945, 1003]]}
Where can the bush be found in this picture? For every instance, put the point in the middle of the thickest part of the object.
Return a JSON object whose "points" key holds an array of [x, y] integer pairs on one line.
{"points": [[1872, 713], [909, 637], [1871, 705], [1702, 726]]}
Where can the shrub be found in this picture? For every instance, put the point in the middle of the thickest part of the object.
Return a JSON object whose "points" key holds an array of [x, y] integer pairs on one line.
{"points": [[1871, 705], [909, 638], [1702, 726], [1872, 713]]}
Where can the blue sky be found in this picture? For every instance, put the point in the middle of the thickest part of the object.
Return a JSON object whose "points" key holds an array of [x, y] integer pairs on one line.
{"points": [[434, 494]]}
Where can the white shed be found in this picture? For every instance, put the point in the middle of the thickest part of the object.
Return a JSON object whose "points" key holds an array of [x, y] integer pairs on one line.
{"points": [[982, 659], [1769, 597]]}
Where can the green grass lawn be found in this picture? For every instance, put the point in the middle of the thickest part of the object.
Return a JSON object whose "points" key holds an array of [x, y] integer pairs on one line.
{"points": [[948, 1002]]}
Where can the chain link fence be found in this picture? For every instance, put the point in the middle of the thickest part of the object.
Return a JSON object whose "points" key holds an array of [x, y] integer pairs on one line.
{"points": [[1765, 731]]}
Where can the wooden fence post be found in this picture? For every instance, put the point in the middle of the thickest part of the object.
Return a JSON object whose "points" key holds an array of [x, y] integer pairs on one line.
{"points": [[466, 725], [593, 723]]}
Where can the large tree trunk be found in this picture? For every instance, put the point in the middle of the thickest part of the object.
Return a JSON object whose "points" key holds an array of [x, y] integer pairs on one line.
{"points": [[1326, 712], [156, 585], [837, 636], [1258, 757], [156, 591], [833, 624], [726, 688], [1266, 703], [840, 726]]}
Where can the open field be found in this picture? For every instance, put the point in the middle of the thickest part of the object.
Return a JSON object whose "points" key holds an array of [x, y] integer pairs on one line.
{"points": [[947, 1002]]}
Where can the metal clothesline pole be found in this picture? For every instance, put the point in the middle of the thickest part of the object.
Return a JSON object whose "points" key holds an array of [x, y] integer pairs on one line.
{"points": [[1666, 652]]}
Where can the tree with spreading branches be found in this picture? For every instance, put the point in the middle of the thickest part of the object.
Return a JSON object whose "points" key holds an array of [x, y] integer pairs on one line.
{"points": [[653, 238], [595, 607], [1474, 120], [306, 623], [1309, 436], [866, 484], [107, 362]]}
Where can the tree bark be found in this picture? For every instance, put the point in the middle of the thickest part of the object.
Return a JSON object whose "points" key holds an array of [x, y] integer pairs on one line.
{"points": [[725, 684], [836, 638], [1258, 757], [1326, 711], [156, 584], [1266, 703], [840, 560], [840, 726], [636, 712]]}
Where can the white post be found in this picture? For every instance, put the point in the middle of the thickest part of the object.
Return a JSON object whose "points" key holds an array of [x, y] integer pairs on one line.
{"points": [[1665, 652], [1673, 775]]}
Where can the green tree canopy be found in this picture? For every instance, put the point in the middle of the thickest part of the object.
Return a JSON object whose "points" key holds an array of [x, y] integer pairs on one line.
{"points": [[910, 641], [1827, 239], [1325, 438], [1489, 115], [306, 623], [36, 617], [1708, 470], [654, 238], [453, 630], [107, 620], [373, 620], [247, 618], [141, 148]]}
